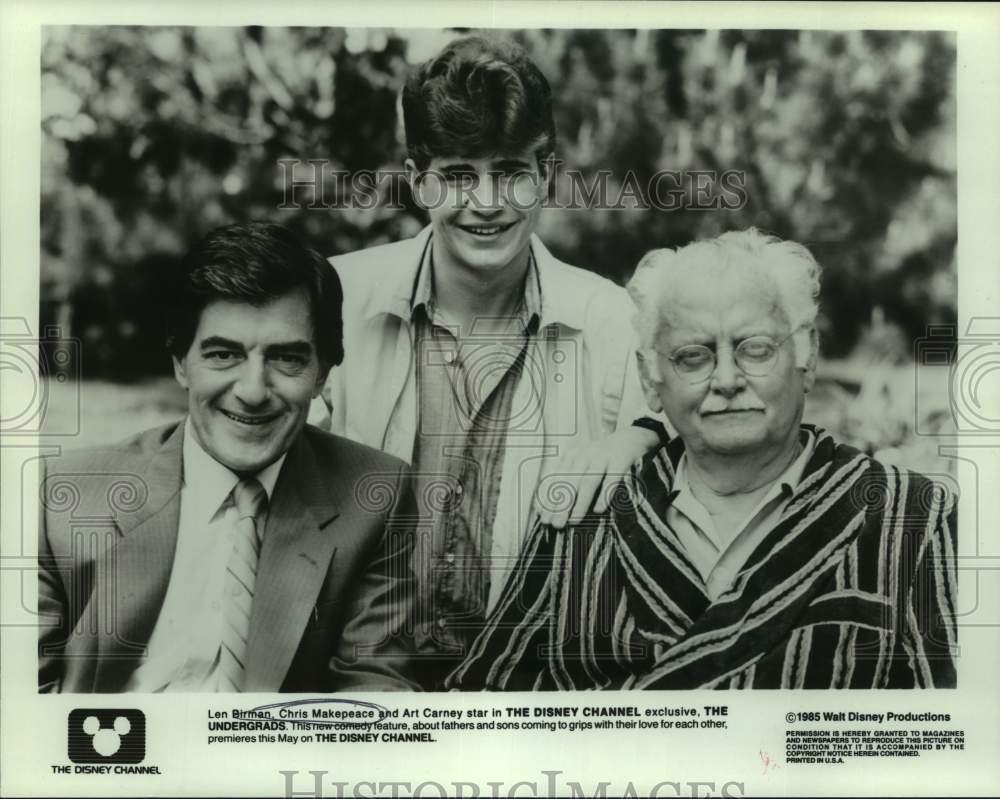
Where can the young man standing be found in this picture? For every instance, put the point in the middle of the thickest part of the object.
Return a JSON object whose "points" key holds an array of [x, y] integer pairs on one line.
{"points": [[496, 370]]}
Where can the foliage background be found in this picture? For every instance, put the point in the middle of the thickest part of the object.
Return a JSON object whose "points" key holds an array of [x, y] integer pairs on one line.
{"points": [[152, 136]]}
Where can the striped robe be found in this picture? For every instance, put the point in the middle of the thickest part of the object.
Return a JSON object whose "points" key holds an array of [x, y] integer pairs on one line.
{"points": [[853, 588]]}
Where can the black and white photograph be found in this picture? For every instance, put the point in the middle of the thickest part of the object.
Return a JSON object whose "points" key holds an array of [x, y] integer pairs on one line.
{"points": [[399, 393]]}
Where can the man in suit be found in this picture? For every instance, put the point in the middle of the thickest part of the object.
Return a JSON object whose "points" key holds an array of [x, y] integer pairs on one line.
{"points": [[499, 372], [239, 549]]}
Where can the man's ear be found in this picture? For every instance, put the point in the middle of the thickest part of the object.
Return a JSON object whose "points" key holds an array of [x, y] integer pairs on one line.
{"points": [[180, 370], [547, 169], [413, 178], [809, 369], [324, 372], [649, 377]]}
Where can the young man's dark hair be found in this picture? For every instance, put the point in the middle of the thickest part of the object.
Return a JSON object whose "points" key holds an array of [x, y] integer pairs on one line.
{"points": [[254, 262], [478, 97]]}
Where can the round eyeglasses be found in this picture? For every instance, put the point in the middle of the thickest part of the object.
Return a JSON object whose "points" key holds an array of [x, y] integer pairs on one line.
{"points": [[754, 356]]}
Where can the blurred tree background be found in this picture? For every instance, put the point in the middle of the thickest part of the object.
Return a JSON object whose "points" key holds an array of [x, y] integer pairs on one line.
{"points": [[152, 136]]}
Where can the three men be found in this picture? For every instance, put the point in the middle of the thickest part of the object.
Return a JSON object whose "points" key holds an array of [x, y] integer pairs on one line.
{"points": [[239, 550], [476, 355], [245, 550], [752, 551]]}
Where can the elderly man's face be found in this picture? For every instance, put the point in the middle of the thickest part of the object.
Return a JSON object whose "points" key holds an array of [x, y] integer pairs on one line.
{"points": [[730, 412]]}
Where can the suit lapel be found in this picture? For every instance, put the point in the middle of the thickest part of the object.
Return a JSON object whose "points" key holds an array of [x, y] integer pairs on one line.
{"points": [[295, 558], [132, 579]]}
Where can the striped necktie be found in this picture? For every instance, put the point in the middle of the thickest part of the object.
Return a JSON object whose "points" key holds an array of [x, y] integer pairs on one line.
{"points": [[250, 499]]}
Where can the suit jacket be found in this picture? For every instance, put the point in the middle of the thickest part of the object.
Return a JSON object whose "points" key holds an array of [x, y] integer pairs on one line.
{"points": [[580, 382], [855, 587], [334, 590]]}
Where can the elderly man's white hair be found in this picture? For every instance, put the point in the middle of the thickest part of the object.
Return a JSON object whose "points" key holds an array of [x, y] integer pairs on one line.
{"points": [[792, 267]]}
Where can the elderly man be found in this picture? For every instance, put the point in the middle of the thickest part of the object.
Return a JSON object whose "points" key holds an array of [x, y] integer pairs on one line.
{"points": [[752, 551], [239, 549]]}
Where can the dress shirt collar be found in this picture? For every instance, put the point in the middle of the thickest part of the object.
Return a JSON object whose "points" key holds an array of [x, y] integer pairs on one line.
{"points": [[208, 484], [720, 554], [529, 311], [562, 299], [682, 496]]}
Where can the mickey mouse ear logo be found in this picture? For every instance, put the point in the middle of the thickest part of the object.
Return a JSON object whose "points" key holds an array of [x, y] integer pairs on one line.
{"points": [[107, 735], [107, 742]]}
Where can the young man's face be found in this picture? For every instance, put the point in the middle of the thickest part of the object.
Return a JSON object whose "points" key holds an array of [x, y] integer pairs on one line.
{"points": [[251, 373], [483, 210]]}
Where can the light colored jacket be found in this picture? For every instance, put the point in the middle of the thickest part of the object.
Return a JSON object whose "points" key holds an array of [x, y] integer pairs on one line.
{"points": [[579, 383]]}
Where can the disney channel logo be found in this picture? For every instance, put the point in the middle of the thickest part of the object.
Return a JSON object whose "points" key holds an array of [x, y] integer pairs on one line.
{"points": [[106, 741]]}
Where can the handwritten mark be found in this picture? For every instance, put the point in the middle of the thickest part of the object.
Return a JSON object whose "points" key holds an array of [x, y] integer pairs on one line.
{"points": [[272, 712], [769, 763]]}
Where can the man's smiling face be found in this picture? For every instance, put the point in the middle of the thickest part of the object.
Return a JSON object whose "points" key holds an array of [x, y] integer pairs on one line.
{"points": [[483, 210], [251, 373]]}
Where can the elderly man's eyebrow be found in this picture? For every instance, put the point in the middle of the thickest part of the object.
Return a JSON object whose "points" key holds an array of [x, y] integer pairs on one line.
{"points": [[754, 329]]}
